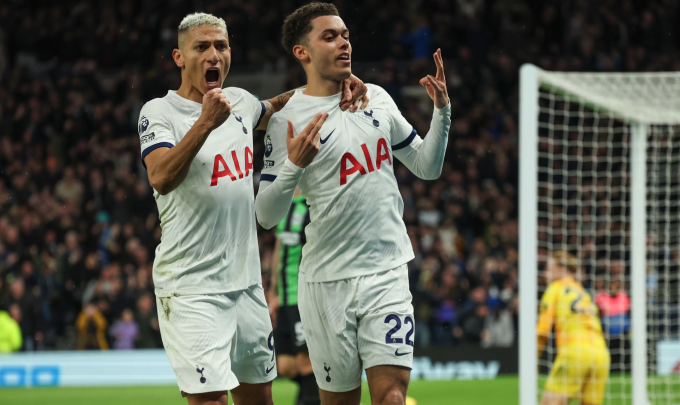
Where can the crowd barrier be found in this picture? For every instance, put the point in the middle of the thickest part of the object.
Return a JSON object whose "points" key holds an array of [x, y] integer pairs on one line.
{"points": [[151, 367]]}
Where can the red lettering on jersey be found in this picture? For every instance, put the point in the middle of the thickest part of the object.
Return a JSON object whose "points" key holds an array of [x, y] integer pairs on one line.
{"points": [[356, 167], [368, 158], [249, 160], [382, 153], [217, 173], [238, 166], [382, 144]]}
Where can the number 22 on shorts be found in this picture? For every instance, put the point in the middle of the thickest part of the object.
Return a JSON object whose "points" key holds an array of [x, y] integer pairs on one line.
{"points": [[408, 321]]}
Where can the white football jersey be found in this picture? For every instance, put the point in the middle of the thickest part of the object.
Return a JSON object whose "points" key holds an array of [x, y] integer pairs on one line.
{"points": [[209, 239], [355, 206]]}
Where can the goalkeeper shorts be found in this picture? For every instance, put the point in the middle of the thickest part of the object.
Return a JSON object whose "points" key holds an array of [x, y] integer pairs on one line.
{"points": [[580, 371]]}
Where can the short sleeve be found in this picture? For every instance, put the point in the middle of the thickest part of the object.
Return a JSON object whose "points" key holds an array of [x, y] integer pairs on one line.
{"points": [[275, 149], [155, 130], [401, 132], [258, 111], [255, 107]]}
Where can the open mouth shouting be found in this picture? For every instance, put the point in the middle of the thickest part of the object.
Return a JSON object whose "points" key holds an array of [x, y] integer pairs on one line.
{"points": [[212, 78]]}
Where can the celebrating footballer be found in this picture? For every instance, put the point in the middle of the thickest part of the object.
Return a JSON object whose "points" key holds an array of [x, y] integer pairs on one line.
{"points": [[353, 292]]}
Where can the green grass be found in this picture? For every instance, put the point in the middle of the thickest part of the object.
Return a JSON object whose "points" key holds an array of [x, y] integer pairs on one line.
{"points": [[502, 391], [661, 390]]}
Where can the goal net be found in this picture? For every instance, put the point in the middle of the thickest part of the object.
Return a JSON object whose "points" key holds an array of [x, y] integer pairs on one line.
{"points": [[600, 178]]}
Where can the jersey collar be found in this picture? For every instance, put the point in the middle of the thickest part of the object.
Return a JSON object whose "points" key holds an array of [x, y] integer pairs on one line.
{"points": [[184, 102], [335, 98]]}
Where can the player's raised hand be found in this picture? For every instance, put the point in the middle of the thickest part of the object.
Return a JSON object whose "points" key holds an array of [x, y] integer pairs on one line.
{"points": [[353, 94], [303, 148], [216, 108], [436, 86]]}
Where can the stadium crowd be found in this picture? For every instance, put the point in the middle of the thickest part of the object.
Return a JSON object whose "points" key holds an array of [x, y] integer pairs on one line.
{"points": [[78, 222]]}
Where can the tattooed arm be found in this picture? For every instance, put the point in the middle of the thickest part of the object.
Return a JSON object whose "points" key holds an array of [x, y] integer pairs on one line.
{"points": [[274, 105], [354, 95]]}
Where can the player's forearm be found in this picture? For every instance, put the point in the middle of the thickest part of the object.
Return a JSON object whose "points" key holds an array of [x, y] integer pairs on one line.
{"points": [[273, 283], [281, 100], [425, 158], [274, 262], [274, 198], [543, 329], [173, 166], [275, 105], [541, 342], [273, 269]]}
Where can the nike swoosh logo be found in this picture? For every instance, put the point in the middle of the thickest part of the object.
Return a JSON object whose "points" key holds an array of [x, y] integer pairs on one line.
{"points": [[396, 353], [269, 370], [324, 140]]}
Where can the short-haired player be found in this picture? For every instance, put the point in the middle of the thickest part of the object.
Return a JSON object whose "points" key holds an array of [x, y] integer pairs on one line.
{"points": [[197, 145], [353, 291]]}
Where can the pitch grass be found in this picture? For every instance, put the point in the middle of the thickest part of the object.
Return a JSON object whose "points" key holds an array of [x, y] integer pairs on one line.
{"points": [[502, 391]]}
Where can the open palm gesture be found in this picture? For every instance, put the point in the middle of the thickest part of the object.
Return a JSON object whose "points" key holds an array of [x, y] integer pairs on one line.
{"points": [[436, 86]]}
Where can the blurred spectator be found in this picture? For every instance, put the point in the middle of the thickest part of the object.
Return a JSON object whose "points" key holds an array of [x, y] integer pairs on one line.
{"points": [[10, 333], [614, 309], [91, 327], [69, 189], [125, 331], [615, 315], [27, 314], [500, 329], [147, 323], [473, 324]]}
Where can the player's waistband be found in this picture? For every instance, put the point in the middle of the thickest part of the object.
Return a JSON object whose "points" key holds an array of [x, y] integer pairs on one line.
{"points": [[593, 341], [309, 277], [162, 293]]}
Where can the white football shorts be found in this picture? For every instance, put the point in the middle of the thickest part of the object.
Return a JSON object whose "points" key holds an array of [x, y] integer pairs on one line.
{"points": [[355, 324], [214, 342]]}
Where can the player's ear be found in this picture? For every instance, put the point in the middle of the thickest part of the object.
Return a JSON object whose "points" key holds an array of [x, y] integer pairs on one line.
{"points": [[301, 52], [177, 56]]}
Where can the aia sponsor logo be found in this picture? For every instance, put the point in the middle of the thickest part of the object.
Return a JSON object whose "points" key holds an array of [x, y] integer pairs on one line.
{"points": [[349, 164], [221, 168]]}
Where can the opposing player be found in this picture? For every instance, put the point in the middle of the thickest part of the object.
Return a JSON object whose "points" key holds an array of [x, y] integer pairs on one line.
{"points": [[197, 145], [582, 364], [292, 357], [353, 296]]}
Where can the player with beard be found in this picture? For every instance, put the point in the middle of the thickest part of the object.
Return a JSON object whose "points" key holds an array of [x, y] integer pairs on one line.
{"points": [[197, 145], [353, 292]]}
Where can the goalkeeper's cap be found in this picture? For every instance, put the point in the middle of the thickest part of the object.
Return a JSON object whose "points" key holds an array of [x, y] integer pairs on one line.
{"points": [[566, 260]]}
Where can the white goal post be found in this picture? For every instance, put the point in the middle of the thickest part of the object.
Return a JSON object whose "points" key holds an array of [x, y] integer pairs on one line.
{"points": [[599, 159]]}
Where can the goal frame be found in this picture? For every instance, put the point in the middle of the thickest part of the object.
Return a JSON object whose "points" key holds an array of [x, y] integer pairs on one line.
{"points": [[530, 81]]}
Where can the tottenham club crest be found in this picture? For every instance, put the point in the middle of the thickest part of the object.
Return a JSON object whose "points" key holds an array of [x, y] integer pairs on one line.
{"points": [[376, 123], [143, 124], [268, 146]]}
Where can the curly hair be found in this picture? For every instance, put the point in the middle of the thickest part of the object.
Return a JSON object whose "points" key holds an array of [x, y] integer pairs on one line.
{"points": [[297, 25]]}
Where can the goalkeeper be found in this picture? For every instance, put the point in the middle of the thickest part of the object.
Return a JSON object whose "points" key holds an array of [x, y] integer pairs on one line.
{"points": [[582, 364]]}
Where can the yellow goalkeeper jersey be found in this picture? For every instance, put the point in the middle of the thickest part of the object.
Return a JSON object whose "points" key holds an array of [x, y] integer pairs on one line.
{"points": [[568, 307]]}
